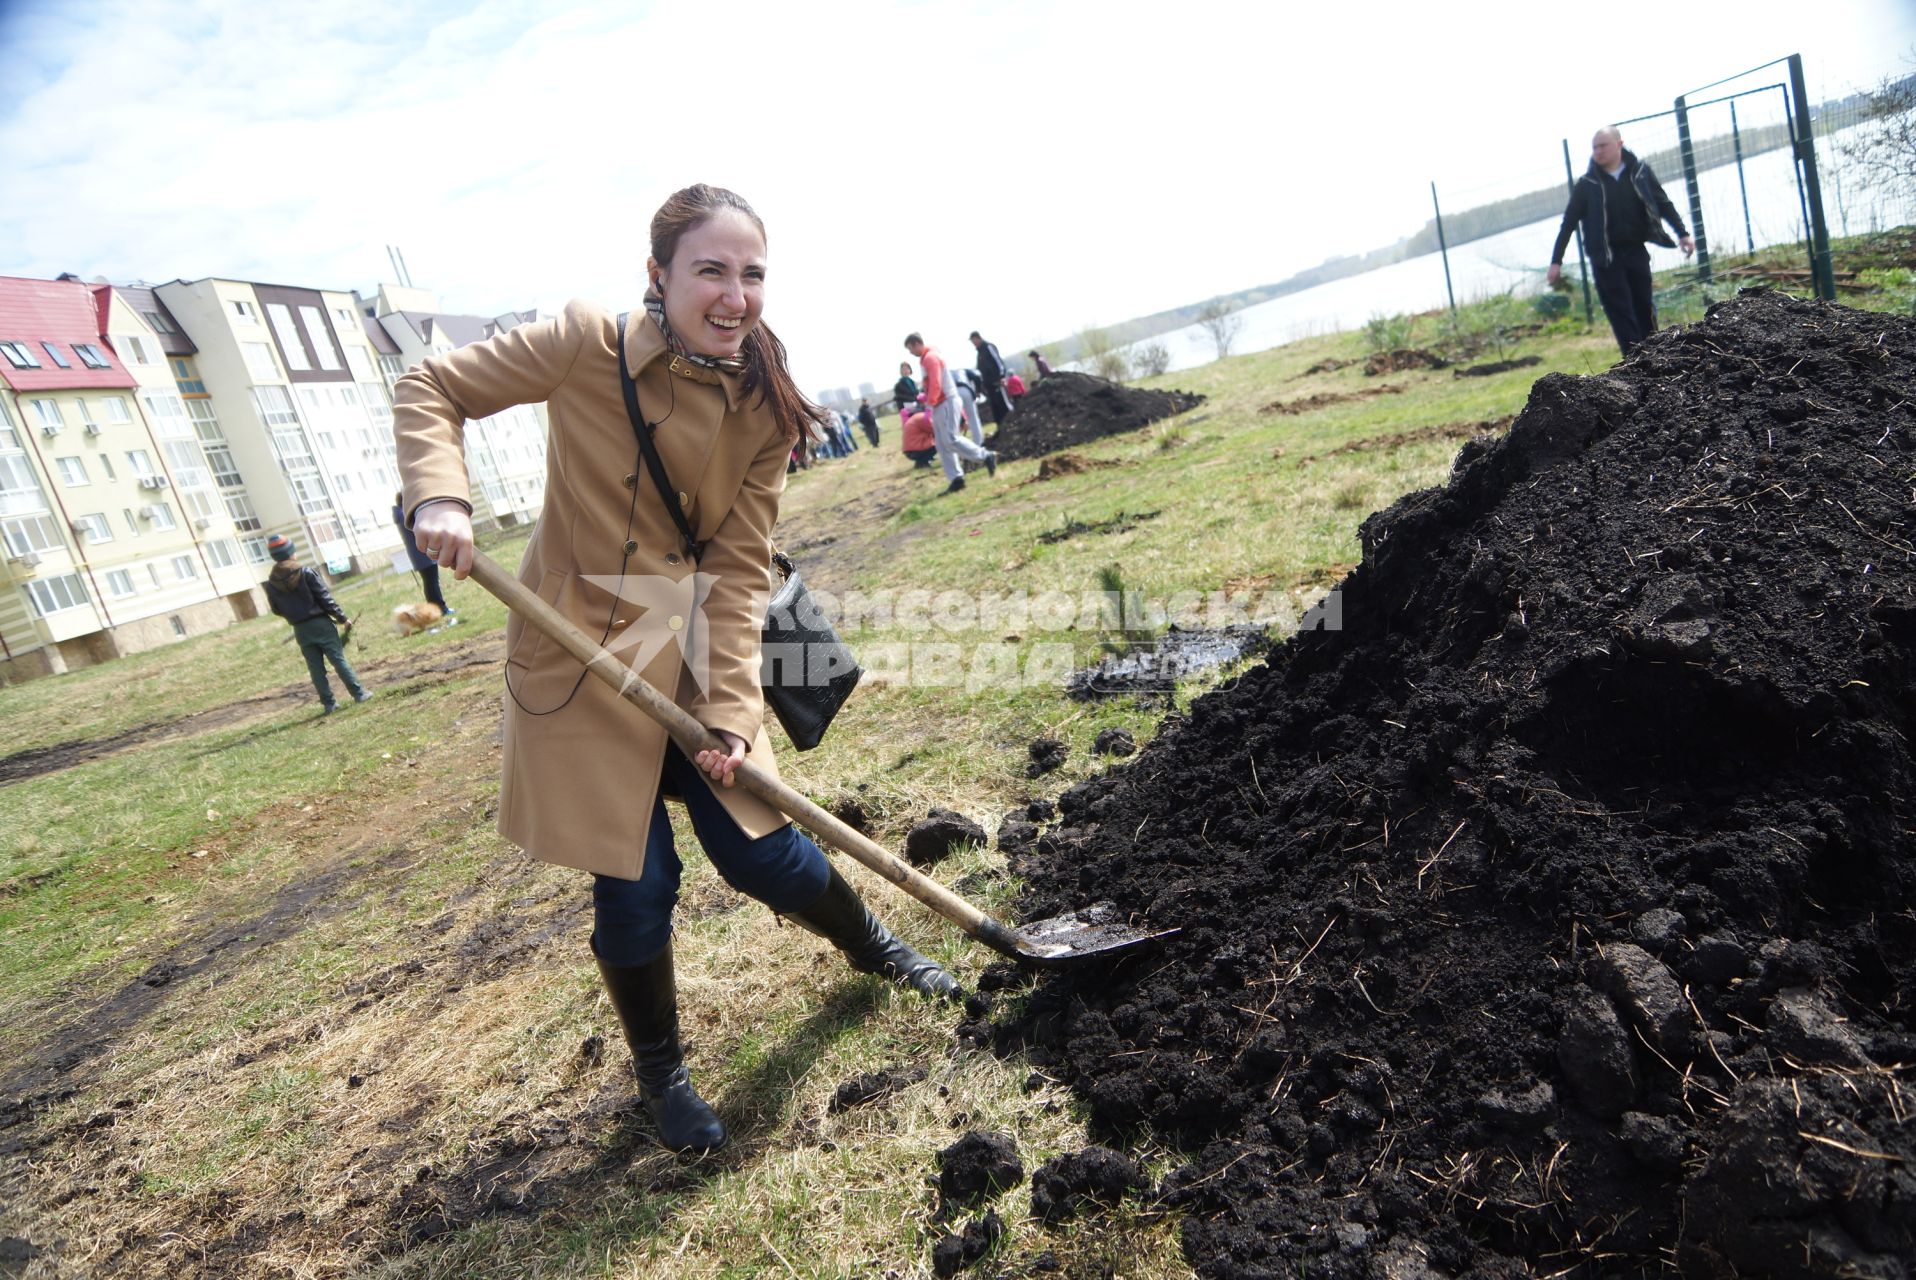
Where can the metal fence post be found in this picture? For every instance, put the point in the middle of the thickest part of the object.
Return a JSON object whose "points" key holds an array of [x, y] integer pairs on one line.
{"points": [[1736, 141], [1820, 269], [1696, 203], [1583, 267], [1443, 250]]}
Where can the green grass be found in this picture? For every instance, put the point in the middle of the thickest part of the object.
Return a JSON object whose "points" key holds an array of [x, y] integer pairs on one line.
{"points": [[374, 1003]]}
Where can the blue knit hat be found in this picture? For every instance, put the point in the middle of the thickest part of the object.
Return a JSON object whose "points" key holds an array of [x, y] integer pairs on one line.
{"points": [[280, 547]]}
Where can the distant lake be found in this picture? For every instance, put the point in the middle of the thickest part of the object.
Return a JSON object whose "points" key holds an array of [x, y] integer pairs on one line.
{"points": [[1515, 259]]}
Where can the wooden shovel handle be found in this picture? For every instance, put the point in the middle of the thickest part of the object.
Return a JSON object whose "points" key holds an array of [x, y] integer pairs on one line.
{"points": [[693, 737]]}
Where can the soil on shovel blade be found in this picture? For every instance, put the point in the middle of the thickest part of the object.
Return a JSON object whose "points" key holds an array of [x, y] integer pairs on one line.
{"points": [[1557, 916], [1066, 409]]}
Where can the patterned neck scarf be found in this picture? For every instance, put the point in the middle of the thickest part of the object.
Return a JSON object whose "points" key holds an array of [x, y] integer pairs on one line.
{"points": [[655, 307]]}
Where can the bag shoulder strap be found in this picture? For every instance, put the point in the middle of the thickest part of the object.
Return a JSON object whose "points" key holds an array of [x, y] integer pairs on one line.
{"points": [[653, 463]]}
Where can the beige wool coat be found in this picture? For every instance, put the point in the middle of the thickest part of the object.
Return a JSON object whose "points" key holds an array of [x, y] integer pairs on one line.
{"points": [[581, 768]]}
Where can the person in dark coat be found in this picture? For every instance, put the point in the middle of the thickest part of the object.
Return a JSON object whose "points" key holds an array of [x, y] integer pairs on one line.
{"points": [[868, 420], [300, 596], [1621, 205], [1042, 365], [905, 390], [423, 565], [991, 372]]}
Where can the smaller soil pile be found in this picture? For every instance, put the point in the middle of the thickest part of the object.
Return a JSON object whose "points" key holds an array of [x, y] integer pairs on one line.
{"points": [[1067, 409], [1558, 915]]}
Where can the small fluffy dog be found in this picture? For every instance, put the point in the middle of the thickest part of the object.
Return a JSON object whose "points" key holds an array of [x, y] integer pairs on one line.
{"points": [[410, 619]]}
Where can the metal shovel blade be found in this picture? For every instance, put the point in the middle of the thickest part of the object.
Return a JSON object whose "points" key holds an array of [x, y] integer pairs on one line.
{"points": [[1096, 932]]}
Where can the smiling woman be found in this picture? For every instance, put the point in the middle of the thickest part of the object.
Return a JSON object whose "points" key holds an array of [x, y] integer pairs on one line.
{"points": [[586, 775]]}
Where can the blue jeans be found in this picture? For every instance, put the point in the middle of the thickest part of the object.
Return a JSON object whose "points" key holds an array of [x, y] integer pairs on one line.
{"points": [[632, 919]]}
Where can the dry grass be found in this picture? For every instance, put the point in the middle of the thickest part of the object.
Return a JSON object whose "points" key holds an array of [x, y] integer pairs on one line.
{"points": [[360, 1035]]}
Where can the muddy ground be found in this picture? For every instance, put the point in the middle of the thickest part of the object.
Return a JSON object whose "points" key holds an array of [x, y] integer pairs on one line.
{"points": [[1066, 409], [1557, 916]]}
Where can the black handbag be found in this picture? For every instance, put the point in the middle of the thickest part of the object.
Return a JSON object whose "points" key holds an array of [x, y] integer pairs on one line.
{"points": [[805, 669]]}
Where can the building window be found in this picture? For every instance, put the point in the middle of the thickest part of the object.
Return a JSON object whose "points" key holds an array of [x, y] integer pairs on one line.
{"points": [[392, 365], [245, 519], [53, 353], [117, 409], [18, 356], [179, 628], [132, 525], [94, 527], [259, 361], [159, 322], [288, 334], [84, 409], [223, 553], [184, 569], [162, 516], [106, 465], [255, 549], [141, 462], [225, 471], [27, 534], [91, 356], [187, 378], [47, 413], [135, 346], [20, 493], [275, 406], [198, 503], [243, 313], [361, 367], [119, 583], [321, 336], [73, 471], [51, 595], [345, 316]]}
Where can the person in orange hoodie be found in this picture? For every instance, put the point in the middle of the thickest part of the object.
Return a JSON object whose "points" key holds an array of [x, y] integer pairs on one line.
{"points": [[921, 445], [941, 393]]}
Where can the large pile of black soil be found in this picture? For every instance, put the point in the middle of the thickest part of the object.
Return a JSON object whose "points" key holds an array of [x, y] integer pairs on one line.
{"points": [[1066, 409], [1555, 916]]}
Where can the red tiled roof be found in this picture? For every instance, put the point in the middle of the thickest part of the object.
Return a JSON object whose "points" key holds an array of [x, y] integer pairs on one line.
{"points": [[62, 312]]}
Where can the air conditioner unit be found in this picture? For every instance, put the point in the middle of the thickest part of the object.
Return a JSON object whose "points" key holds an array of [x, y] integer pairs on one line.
{"points": [[48, 429], [26, 561], [202, 523], [152, 482], [93, 428], [146, 513]]}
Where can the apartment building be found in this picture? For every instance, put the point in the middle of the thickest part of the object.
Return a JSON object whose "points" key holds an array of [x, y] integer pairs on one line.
{"points": [[506, 453], [113, 541], [302, 411]]}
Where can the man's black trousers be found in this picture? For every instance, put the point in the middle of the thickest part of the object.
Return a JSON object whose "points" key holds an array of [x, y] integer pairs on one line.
{"points": [[1624, 288]]}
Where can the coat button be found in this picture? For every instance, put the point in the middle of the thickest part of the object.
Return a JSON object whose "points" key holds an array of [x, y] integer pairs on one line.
{"points": [[683, 500], [631, 479], [630, 546], [671, 557], [675, 622]]}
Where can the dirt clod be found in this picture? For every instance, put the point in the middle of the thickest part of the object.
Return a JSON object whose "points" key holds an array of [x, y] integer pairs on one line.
{"points": [[939, 835], [872, 1087], [1382, 362], [1066, 409], [1587, 937], [1047, 754], [1070, 1183], [953, 1253], [1114, 742], [977, 1166]]}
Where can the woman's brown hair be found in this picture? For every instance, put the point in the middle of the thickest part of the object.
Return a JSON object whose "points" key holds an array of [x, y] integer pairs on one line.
{"points": [[765, 371]]}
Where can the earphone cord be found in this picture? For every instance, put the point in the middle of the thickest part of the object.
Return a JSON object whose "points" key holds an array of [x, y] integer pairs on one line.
{"points": [[631, 514]]}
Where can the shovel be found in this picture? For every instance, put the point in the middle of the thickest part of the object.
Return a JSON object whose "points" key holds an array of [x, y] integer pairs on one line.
{"points": [[1094, 933]]}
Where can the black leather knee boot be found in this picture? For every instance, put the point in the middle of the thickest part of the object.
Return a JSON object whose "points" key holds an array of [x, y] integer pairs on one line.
{"points": [[646, 997], [841, 917]]}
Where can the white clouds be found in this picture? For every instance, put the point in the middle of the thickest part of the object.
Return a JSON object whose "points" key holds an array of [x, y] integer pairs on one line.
{"points": [[1017, 166]]}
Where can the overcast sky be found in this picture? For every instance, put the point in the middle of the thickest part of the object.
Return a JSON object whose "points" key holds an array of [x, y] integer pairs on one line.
{"points": [[1022, 167]]}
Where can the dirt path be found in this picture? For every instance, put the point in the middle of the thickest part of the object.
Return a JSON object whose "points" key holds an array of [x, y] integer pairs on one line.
{"points": [[445, 661]]}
